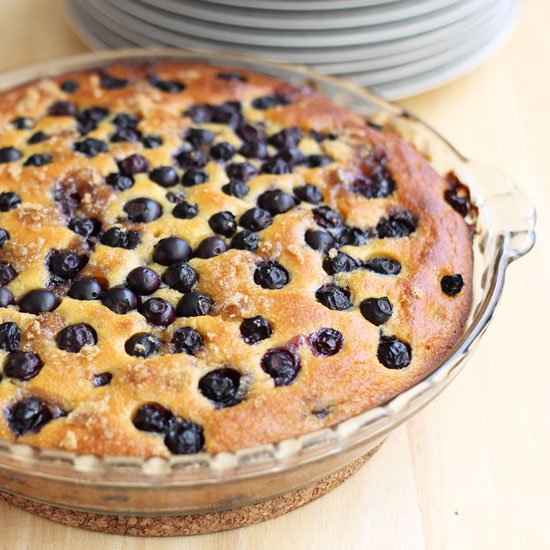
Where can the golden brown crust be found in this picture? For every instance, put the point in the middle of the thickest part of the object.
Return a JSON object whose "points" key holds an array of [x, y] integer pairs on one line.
{"points": [[99, 419]]}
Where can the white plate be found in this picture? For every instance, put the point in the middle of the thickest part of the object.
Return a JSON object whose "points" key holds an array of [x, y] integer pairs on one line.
{"points": [[393, 82], [136, 30], [204, 10], [127, 11], [483, 26], [446, 73], [298, 5], [448, 57]]}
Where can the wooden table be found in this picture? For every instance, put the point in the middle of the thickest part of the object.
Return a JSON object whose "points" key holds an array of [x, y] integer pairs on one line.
{"points": [[471, 470]]}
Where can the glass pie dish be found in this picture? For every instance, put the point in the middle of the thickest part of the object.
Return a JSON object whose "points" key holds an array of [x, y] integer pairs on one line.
{"points": [[194, 485]]}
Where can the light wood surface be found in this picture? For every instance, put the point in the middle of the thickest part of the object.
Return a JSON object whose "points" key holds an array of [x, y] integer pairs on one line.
{"points": [[471, 471]]}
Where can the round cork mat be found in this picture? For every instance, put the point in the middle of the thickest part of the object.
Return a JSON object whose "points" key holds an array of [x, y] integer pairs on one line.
{"points": [[191, 524]]}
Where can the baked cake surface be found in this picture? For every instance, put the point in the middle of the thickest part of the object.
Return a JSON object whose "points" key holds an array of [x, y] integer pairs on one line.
{"points": [[204, 258]]}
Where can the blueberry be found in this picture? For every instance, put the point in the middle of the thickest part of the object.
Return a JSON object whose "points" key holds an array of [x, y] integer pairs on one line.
{"points": [[85, 289], [151, 141], [319, 240], [326, 342], [171, 250], [119, 181], [22, 123], [125, 136], [158, 312], [22, 365], [223, 223], [143, 210], [383, 266], [194, 176], [63, 108], [256, 219], [245, 240], [89, 119], [393, 353], [339, 263], [7, 273], [457, 195], [271, 275], [85, 227], [251, 134], [176, 196], [165, 176], [276, 202], [227, 113], [187, 340], [37, 137], [143, 280], [351, 236], [28, 415], [452, 284], [222, 387], [168, 86], [134, 164], [142, 344], [64, 264], [9, 154], [376, 310], [191, 159], [334, 297], [74, 337], [184, 437], [282, 365], [235, 188], [231, 77], [4, 236], [198, 137], [210, 247], [255, 329], [222, 152], [194, 304], [10, 336], [185, 210], [292, 157], [276, 166], [253, 150], [6, 297], [287, 138], [91, 147], [102, 379], [377, 182], [180, 276], [38, 301], [69, 86], [118, 238], [241, 171], [316, 161], [153, 417], [119, 299], [38, 159], [110, 82], [270, 101], [125, 121], [327, 217], [9, 201], [399, 224]]}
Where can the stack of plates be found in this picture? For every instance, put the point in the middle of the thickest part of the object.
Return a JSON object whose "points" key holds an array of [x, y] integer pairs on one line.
{"points": [[396, 47]]}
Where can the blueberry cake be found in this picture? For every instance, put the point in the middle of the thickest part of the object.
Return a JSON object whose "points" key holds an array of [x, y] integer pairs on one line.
{"points": [[198, 258]]}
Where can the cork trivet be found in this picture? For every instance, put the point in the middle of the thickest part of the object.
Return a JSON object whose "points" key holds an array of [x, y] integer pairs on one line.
{"points": [[193, 524]]}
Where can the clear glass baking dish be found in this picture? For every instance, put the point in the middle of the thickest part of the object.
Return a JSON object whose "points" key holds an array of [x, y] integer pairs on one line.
{"points": [[203, 483]]}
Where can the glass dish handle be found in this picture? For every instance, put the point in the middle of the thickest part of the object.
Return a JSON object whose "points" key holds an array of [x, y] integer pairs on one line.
{"points": [[512, 213]]}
